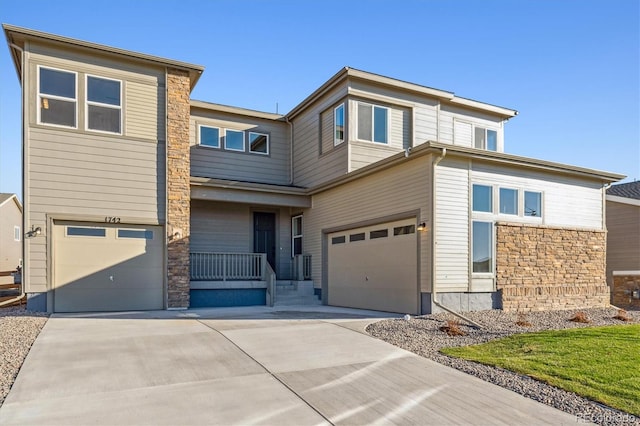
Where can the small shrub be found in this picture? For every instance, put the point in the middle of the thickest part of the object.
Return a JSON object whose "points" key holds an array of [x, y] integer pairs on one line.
{"points": [[522, 320], [580, 317], [622, 315], [452, 328]]}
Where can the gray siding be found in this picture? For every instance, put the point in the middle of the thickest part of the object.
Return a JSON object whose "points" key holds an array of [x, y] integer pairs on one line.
{"points": [[243, 166], [623, 238], [310, 167], [88, 175], [452, 119], [401, 189], [228, 228]]}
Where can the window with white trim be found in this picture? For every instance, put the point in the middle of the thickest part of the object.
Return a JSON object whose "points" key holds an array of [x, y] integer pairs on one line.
{"points": [[508, 201], [57, 97], [532, 204], [259, 143], [482, 246], [209, 136], [485, 139], [296, 235], [104, 104], [338, 125], [373, 123], [482, 198], [234, 140], [17, 235]]}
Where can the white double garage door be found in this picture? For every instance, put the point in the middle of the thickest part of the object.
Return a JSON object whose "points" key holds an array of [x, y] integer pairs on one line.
{"points": [[375, 267], [104, 267]]}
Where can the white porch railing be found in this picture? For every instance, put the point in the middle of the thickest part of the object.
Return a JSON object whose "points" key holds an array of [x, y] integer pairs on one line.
{"points": [[302, 267], [227, 266]]}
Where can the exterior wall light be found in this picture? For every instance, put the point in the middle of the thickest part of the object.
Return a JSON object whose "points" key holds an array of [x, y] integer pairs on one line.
{"points": [[422, 226], [35, 231]]}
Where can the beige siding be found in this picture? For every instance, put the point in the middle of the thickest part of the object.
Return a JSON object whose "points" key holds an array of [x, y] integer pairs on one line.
{"points": [[452, 225], [228, 228], [566, 201], [449, 117], [143, 89], [623, 238], [426, 121], [242, 166], [310, 167], [10, 249], [463, 133], [396, 191], [327, 136]]}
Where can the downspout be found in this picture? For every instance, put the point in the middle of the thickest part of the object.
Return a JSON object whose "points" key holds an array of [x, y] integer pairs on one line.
{"points": [[22, 293], [434, 291]]}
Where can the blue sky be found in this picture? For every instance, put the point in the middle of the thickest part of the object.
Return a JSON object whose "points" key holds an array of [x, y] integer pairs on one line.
{"points": [[571, 68]]}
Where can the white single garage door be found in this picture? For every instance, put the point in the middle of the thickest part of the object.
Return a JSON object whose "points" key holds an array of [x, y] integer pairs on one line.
{"points": [[100, 267], [375, 267]]}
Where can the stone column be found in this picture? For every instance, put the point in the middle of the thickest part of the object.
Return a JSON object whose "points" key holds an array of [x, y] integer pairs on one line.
{"points": [[178, 191]]}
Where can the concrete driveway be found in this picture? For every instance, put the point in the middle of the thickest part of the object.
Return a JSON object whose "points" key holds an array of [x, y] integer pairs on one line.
{"points": [[242, 366]]}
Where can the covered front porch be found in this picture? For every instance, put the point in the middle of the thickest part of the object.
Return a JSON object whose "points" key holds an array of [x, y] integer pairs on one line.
{"points": [[245, 246]]}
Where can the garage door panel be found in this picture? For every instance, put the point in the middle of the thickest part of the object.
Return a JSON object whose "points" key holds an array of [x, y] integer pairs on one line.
{"points": [[375, 273], [95, 270]]}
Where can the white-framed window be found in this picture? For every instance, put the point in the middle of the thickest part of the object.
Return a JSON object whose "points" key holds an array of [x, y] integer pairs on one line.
{"points": [[338, 125], [259, 143], [104, 104], [209, 136], [373, 123], [482, 246], [482, 198], [17, 235], [485, 139], [57, 97], [296, 235], [234, 140], [508, 201], [532, 204]]}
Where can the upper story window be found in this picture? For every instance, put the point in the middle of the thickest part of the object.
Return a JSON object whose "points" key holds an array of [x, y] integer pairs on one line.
{"points": [[296, 235], [259, 143], [486, 139], [532, 204], [57, 97], [16, 233], [104, 104], [234, 140], [373, 123], [210, 136], [338, 125]]}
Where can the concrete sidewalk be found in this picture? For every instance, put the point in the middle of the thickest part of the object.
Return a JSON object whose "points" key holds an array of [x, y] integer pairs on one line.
{"points": [[243, 366]]}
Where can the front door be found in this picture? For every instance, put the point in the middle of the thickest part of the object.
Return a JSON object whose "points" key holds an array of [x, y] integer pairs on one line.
{"points": [[264, 236]]}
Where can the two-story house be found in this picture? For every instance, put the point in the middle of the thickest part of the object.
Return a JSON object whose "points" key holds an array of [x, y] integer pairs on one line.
{"points": [[379, 193]]}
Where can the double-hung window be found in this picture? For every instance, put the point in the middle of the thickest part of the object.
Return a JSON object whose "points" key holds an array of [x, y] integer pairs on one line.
{"points": [[486, 139], [210, 136], [57, 97], [373, 123], [104, 104], [296, 235], [338, 125], [259, 143]]}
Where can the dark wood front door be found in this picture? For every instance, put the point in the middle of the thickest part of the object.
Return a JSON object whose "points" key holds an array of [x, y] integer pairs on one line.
{"points": [[264, 236]]}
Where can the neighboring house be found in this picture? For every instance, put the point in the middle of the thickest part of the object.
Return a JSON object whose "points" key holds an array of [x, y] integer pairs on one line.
{"points": [[10, 237], [623, 244], [381, 193]]}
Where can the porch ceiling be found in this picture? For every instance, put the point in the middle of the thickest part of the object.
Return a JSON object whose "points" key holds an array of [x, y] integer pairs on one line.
{"points": [[248, 193]]}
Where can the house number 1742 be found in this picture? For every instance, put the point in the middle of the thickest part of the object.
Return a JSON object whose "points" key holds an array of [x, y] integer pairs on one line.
{"points": [[112, 219]]}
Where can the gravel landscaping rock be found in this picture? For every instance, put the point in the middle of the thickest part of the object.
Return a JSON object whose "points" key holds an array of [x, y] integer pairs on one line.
{"points": [[422, 336], [18, 330]]}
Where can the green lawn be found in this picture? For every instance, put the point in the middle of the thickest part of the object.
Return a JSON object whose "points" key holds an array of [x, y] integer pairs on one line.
{"points": [[600, 363]]}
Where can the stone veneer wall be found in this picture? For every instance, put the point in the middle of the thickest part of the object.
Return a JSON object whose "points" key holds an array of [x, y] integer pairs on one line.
{"points": [[622, 291], [545, 268], [178, 190]]}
